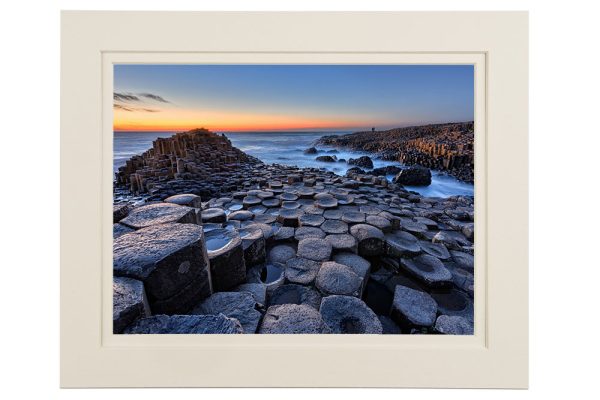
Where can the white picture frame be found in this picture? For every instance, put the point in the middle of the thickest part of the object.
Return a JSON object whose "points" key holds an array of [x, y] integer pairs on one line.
{"points": [[496, 356]]}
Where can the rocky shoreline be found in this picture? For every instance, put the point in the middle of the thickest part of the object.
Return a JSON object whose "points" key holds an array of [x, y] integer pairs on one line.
{"points": [[443, 147], [282, 249]]}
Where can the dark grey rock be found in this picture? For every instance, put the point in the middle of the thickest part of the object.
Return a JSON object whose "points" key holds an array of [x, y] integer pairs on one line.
{"points": [[311, 220], [251, 201], [333, 226], [280, 254], [379, 222], [370, 239], [428, 269], [413, 308], [241, 215], [292, 318], [120, 211], [363, 162], [304, 232], [389, 326], [129, 302], [451, 239], [359, 265], [326, 158], [335, 278], [437, 250], [186, 199], [354, 217], [454, 303], [310, 150], [314, 249], [453, 325], [214, 215], [238, 305], [349, 315], [301, 270], [159, 213], [295, 294], [401, 243], [333, 214], [326, 203], [226, 255], [342, 242], [414, 176], [253, 243], [185, 324], [258, 291], [289, 217], [283, 233], [120, 229], [463, 260]]}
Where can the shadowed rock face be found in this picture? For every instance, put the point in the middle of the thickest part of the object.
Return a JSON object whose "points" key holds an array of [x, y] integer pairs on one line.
{"points": [[161, 213], [413, 308], [453, 325], [428, 269], [293, 318], [253, 242], [186, 199], [335, 278], [186, 324], [167, 258], [370, 239], [295, 294], [226, 257], [347, 314], [414, 176], [238, 305], [301, 270], [129, 302], [363, 162]]}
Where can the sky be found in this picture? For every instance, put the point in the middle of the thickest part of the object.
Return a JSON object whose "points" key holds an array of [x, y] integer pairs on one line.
{"points": [[234, 98]]}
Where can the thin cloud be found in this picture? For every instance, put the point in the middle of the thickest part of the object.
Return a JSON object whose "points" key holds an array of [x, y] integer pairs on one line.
{"points": [[132, 109], [121, 107], [150, 110], [125, 97], [154, 97]]}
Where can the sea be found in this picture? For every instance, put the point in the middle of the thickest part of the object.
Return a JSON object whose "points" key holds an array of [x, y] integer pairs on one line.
{"points": [[288, 148]]}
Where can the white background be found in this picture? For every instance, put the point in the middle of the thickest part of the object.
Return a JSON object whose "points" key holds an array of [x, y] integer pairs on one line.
{"points": [[564, 156]]}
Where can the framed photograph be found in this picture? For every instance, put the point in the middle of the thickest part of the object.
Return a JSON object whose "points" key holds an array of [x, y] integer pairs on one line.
{"points": [[294, 199]]}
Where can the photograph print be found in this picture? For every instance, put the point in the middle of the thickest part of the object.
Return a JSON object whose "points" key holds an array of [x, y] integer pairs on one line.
{"points": [[293, 199]]}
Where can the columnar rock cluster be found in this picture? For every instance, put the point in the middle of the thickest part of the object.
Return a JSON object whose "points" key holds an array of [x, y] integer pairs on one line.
{"points": [[198, 161], [296, 251], [445, 147]]}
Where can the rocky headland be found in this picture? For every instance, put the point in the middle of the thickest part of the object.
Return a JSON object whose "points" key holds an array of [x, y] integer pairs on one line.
{"points": [[443, 147], [226, 244]]}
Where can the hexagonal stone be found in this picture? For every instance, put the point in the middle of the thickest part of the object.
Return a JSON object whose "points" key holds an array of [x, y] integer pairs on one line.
{"points": [[280, 254], [185, 324], [214, 215], [455, 303], [250, 201], [453, 325], [289, 217], [359, 265], [308, 231], [295, 294], [335, 278], [343, 242], [311, 220], [370, 239], [463, 260], [347, 314], [275, 184], [370, 210], [334, 226], [265, 218], [292, 318], [238, 305], [305, 193], [416, 228], [129, 302], [301, 270], [401, 243], [314, 249], [326, 203], [288, 197], [170, 259], [226, 255], [185, 199], [120, 211], [273, 202], [290, 205], [283, 233], [437, 250], [379, 222], [253, 242], [257, 290], [241, 215], [332, 214], [451, 239], [353, 217], [120, 229], [413, 308], [427, 269], [159, 213]]}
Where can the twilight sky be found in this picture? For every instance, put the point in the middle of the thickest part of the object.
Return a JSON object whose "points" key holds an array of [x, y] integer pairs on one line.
{"points": [[289, 97]]}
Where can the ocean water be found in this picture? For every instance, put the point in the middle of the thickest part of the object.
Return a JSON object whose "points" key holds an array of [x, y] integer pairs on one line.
{"points": [[288, 148]]}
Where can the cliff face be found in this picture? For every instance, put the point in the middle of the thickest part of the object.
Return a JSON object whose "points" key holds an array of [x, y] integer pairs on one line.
{"points": [[445, 147], [196, 155]]}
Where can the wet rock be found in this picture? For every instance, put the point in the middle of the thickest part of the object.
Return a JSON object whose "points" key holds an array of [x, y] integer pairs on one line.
{"points": [[251, 201], [401, 244], [450, 239], [310, 150], [269, 203], [241, 215], [186, 324], [120, 229], [463, 260], [314, 249], [292, 318], [305, 192], [353, 217], [288, 197], [427, 269], [335, 278], [238, 305], [290, 205], [379, 222], [389, 326], [437, 250], [355, 170], [295, 294], [453, 325], [129, 302], [283, 233], [289, 217], [414, 176], [416, 228], [363, 162], [257, 290], [167, 258], [349, 315], [301, 270], [326, 158], [186, 199], [370, 239], [264, 219], [214, 215], [454, 303], [307, 231], [311, 220], [280, 254], [332, 214], [226, 256], [159, 213], [120, 211], [253, 243], [413, 308], [333, 226], [388, 170], [343, 242]]}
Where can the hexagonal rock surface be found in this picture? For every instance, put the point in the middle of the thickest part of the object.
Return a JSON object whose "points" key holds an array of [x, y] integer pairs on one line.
{"points": [[168, 258], [452, 240], [453, 325], [335, 278], [326, 203], [308, 231], [295, 294], [454, 303], [120, 229], [437, 250], [332, 214], [353, 217], [129, 302], [250, 201], [185, 324], [159, 213], [463, 260], [413, 308], [347, 314], [401, 243], [301, 270], [314, 249], [241, 215], [342, 242], [271, 202], [370, 239], [280, 254], [292, 318], [334, 226], [311, 220], [283, 233], [289, 217], [186, 199], [238, 305], [379, 222], [120, 211], [253, 242], [428, 269], [257, 290], [214, 215], [226, 255], [359, 265]]}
